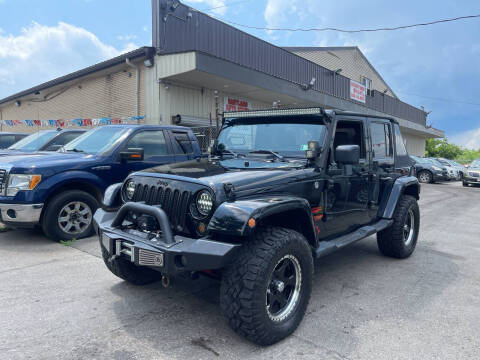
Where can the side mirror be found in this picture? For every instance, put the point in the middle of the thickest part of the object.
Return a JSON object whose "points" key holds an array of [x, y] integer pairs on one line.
{"points": [[313, 150], [214, 148], [132, 154], [347, 154]]}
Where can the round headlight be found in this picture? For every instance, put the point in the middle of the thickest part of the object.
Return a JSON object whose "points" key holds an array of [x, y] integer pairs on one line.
{"points": [[130, 189], [204, 203]]}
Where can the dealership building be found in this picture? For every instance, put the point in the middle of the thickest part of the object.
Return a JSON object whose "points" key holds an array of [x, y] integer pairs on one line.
{"points": [[198, 67]]}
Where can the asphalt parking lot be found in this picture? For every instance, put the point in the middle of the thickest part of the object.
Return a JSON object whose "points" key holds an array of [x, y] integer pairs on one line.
{"points": [[60, 302]]}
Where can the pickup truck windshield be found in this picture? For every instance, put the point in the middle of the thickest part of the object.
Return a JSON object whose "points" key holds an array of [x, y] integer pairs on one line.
{"points": [[96, 141], [35, 141], [287, 138], [476, 163]]}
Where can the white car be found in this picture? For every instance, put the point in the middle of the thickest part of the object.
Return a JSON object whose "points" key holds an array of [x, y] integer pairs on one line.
{"points": [[461, 169], [453, 172]]}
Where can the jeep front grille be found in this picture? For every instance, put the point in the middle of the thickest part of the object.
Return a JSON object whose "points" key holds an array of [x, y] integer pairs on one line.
{"points": [[3, 179], [173, 201]]}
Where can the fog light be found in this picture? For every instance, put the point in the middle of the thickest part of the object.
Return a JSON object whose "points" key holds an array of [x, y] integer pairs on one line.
{"points": [[147, 223], [11, 213], [183, 260]]}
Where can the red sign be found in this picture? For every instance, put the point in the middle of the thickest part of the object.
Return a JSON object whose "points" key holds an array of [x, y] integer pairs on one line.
{"points": [[235, 104], [357, 91]]}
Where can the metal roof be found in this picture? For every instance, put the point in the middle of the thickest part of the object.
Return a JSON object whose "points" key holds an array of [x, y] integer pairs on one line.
{"points": [[339, 48], [144, 51]]}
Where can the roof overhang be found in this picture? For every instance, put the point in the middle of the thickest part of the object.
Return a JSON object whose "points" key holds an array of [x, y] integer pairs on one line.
{"points": [[205, 71], [104, 67]]}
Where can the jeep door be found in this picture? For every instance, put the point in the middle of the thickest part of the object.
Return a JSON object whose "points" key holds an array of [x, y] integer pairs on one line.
{"points": [[383, 162], [348, 184]]}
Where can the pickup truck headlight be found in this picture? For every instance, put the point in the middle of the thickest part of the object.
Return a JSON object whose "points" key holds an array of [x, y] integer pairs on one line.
{"points": [[436, 168], [17, 182], [204, 203]]}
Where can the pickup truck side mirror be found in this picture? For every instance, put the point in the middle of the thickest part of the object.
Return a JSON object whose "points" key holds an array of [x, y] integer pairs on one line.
{"points": [[347, 154], [131, 154]]}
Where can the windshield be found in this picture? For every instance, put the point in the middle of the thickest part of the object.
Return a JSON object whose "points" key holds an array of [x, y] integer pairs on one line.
{"points": [[444, 162], [476, 163], [285, 136], [420, 160], [35, 141], [435, 162], [96, 140]]}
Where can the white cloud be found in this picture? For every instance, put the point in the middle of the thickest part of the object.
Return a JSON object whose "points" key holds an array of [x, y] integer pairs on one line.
{"points": [[219, 5], [469, 139], [41, 53], [435, 61], [127, 37]]}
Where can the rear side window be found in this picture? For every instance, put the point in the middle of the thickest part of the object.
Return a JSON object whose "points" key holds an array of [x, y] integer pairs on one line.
{"points": [[63, 139], [152, 142], [182, 143], [381, 140], [399, 143], [6, 141]]}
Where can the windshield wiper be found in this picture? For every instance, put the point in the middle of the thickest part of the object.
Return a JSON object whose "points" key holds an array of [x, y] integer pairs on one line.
{"points": [[276, 155], [226, 151], [75, 150]]}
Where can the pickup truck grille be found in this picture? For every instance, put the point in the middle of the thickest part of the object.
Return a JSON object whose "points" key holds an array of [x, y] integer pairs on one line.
{"points": [[474, 174], [3, 179], [173, 201]]}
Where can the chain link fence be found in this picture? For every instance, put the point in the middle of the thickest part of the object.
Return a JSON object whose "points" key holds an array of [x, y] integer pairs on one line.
{"points": [[203, 135]]}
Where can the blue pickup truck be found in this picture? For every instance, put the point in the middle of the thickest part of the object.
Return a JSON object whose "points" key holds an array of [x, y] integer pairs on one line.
{"points": [[60, 191]]}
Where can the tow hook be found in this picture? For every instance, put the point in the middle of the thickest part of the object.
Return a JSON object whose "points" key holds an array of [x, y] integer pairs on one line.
{"points": [[165, 281]]}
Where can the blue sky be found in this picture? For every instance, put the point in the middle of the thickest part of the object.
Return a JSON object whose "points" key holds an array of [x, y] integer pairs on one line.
{"points": [[43, 40]]}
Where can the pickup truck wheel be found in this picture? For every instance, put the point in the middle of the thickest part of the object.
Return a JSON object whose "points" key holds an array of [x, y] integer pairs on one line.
{"points": [[400, 239], [264, 293], [69, 215], [125, 270], [425, 177]]}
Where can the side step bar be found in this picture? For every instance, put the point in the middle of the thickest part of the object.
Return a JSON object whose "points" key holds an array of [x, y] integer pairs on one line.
{"points": [[328, 247]]}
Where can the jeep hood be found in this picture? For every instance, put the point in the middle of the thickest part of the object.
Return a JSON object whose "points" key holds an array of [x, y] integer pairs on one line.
{"points": [[216, 173]]}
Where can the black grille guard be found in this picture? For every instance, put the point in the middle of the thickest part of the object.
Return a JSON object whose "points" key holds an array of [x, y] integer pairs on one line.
{"points": [[151, 210]]}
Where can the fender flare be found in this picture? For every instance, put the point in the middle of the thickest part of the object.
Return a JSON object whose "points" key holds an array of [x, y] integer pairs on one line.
{"points": [[401, 185], [231, 218]]}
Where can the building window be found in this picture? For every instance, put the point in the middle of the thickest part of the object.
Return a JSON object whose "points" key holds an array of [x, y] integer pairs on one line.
{"points": [[368, 85]]}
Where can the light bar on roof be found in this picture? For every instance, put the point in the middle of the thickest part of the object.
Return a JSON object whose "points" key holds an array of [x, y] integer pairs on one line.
{"points": [[273, 112]]}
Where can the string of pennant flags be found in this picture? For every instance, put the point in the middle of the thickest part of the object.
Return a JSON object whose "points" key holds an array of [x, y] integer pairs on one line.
{"points": [[60, 123]]}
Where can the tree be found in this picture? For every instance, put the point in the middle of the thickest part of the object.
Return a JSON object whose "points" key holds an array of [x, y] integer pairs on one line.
{"points": [[442, 148]]}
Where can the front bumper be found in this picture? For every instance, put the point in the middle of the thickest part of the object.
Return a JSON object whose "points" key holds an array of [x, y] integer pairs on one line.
{"points": [[471, 180], [440, 175], [20, 214], [169, 254]]}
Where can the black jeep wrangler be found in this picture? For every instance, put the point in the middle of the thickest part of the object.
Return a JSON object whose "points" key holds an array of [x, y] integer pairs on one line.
{"points": [[279, 189]]}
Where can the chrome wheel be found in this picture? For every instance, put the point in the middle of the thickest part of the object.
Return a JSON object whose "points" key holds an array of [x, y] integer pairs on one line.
{"points": [[424, 177], [75, 217], [283, 289], [409, 228]]}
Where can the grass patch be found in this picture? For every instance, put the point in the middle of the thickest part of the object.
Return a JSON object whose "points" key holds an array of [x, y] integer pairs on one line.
{"points": [[68, 242], [5, 228]]}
